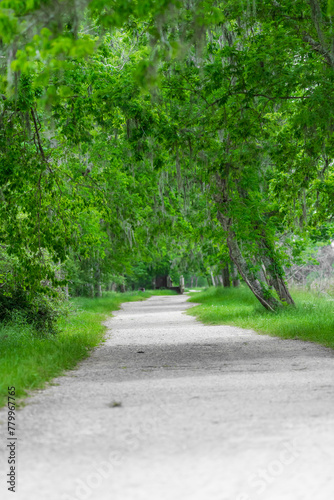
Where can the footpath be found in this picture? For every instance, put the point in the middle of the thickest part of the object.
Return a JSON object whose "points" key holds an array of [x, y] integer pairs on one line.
{"points": [[171, 409]]}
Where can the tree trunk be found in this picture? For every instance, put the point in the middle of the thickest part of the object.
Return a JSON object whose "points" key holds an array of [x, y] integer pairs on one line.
{"points": [[275, 272], [226, 277], [212, 278], [181, 284], [261, 293], [196, 281], [98, 290], [235, 277], [191, 281]]}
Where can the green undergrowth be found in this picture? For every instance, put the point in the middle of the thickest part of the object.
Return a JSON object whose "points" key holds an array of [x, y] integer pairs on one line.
{"points": [[29, 359], [312, 319]]}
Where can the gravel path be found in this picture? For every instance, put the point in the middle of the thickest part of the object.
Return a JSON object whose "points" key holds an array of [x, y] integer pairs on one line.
{"points": [[170, 409]]}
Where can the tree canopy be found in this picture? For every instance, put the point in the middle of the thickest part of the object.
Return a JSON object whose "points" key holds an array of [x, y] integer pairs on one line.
{"points": [[141, 137]]}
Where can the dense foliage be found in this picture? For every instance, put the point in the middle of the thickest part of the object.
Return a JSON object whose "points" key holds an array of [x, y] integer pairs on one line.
{"points": [[148, 137]]}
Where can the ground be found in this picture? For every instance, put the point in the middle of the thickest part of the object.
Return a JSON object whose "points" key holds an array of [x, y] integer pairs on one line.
{"points": [[170, 409]]}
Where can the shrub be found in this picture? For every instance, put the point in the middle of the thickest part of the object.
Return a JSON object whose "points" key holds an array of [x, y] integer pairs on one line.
{"points": [[40, 305]]}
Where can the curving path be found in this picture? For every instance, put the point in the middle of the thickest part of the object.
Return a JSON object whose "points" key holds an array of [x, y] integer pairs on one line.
{"points": [[170, 409]]}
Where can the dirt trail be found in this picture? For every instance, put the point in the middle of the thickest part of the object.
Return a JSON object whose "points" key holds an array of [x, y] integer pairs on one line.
{"points": [[170, 409]]}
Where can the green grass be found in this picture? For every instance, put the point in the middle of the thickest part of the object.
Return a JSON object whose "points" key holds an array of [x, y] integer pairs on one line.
{"points": [[28, 361], [311, 320]]}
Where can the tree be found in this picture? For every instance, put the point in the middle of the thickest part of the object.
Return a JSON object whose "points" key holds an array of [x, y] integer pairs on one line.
{"points": [[200, 130]]}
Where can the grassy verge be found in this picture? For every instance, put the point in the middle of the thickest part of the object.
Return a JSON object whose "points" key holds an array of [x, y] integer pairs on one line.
{"points": [[28, 361], [311, 320]]}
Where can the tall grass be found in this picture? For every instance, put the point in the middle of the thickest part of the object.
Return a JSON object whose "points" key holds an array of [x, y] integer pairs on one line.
{"points": [[311, 320], [28, 360]]}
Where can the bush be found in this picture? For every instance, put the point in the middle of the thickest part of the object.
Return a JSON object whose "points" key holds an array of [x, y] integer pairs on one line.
{"points": [[39, 310], [39, 304]]}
